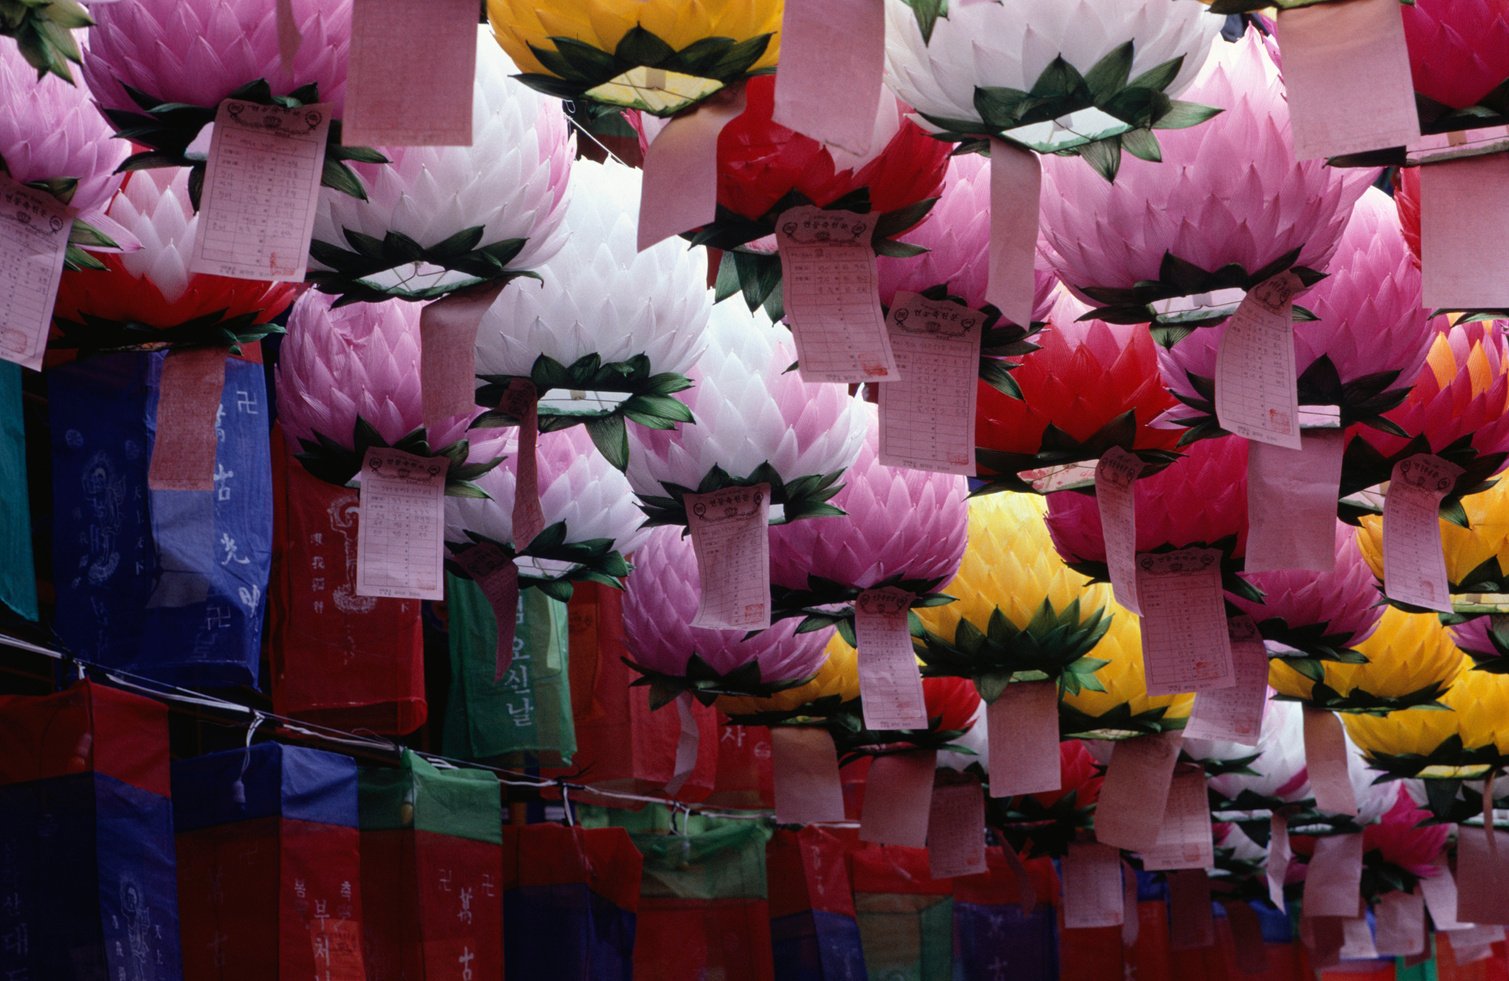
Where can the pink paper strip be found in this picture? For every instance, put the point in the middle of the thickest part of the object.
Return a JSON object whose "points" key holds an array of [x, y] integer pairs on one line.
{"points": [[1235, 713], [1135, 791], [927, 414], [521, 401], [1323, 937], [1115, 473], [1184, 839], [1279, 857], [890, 687], [805, 767], [1191, 922], [831, 92], [448, 351], [831, 290], [1333, 882], [1401, 924], [1464, 209], [680, 189], [1016, 180], [289, 35], [400, 546], [897, 794], [1257, 395], [494, 571], [261, 183], [956, 830], [1440, 892], [34, 230], [1023, 732], [1291, 503], [1357, 940], [688, 743], [731, 539], [1482, 876], [411, 72], [1414, 567], [1347, 74], [188, 403], [1326, 762], [1092, 886], [1186, 645], [1131, 916], [1247, 938]]}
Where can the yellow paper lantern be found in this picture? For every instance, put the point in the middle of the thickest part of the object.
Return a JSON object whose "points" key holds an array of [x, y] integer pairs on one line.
{"points": [[1477, 556], [1462, 742], [1124, 708]]}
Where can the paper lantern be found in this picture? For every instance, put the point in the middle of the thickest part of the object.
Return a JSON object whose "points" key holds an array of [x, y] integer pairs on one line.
{"points": [[1407, 203], [1277, 777], [436, 219], [52, 136], [620, 326], [1089, 386], [1477, 555], [1400, 849], [1366, 344], [836, 682], [43, 33], [1462, 742], [1193, 224], [661, 56], [900, 528], [756, 423], [660, 602], [1044, 824], [1089, 77], [1484, 640], [1018, 613], [952, 707], [1459, 60], [1120, 708]]}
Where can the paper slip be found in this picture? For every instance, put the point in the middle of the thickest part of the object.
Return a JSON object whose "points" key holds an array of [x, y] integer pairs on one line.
{"points": [[1016, 180], [1023, 732], [1414, 567], [1333, 883], [956, 830], [1482, 876], [1135, 792], [732, 542], [289, 35], [1440, 892], [411, 71], [260, 188], [804, 765], [832, 296], [337, 945], [1191, 922], [1326, 762], [680, 188], [34, 230], [1092, 886], [1279, 857], [1115, 474], [1322, 937], [1400, 917], [1131, 917], [1291, 503], [521, 401], [1357, 940], [890, 687], [927, 415], [1184, 840], [831, 92], [1185, 643], [448, 351], [1257, 394], [494, 570], [188, 405], [1464, 208], [1235, 713], [688, 744], [898, 790], [399, 552], [1346, 70]]}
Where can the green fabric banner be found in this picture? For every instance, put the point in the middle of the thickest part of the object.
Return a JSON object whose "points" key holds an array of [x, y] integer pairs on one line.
{"points": [[18, 579]]}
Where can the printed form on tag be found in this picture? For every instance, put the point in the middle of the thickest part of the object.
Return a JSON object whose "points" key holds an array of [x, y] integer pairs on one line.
{"points": [[337, 947], [1414, 566], [411, 72], [1464, 209], [956, 830], [1185, 643], [732, 543], [1115, 474], [261, 185], [1135, 791], [1022, 726], [832, 296], [400, 548], [1235, 713], [34, 230], [1257, 391], [1092, 886], [890, 686], [927, 415], [1185, 840]]}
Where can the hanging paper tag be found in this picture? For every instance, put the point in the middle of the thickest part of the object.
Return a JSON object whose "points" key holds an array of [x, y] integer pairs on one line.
{"points": [[1326, 762], [260, 188], [831, 92], [927, 414], [1184, 840], [732, 543], [1347, 75], [890, 687], [289, 35], [188, 404], [337, 945], [1135, 791], [1092, 886], [1016, 180], [411, 72], [1279, 857], [448, 351], [1464, 209], [1236, 713], [1247, 938], [897, 791], [1414, 567], [1474, 944], [1131, 915], [804, 765], [1023, 732], [1257, 395], [34, 230], [1191, 922], [1185, 642], [1291, 503], [399, 551], [956, 830], [1026, 892], [688, 742], [1440, 892], [832, 296], [1357, 940], [1482, 876], [1115, 474], [520, 401], [1401, 924], [1333, 882], [680, 189], [494, 571]]}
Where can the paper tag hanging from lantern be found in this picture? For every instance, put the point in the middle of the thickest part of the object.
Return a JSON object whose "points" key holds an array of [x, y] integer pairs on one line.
{"points": [[805, 765], [1414, 566], [1326, 761], [890, 685], [831, 92], [1115, 473], [448, 348], [1333, 883], [1184, 839], [1291, 503], [1135, 792], [34, 230], [927, 415], [1235, 713], [732, 544], [188, 401], [402, 537], [1257, 393], [1016, 179], [412, 65], [1464, 207], [1092, 886], [1185, 641], [956, 830], [1023, 730], [680, 190], [898, 789]]}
